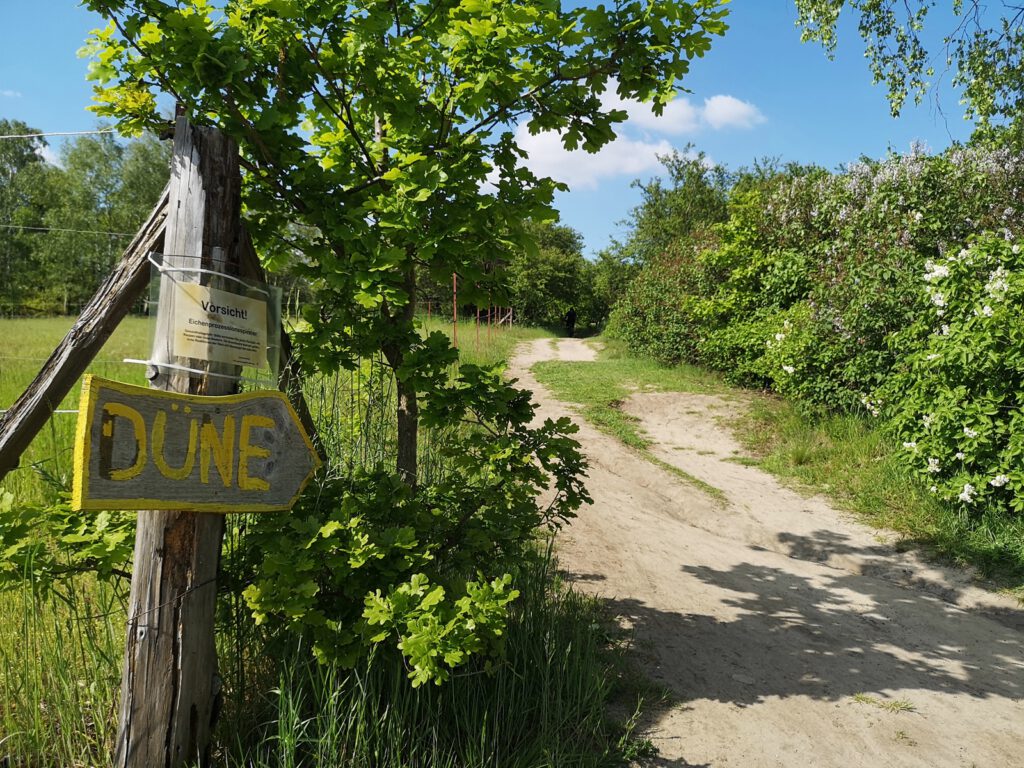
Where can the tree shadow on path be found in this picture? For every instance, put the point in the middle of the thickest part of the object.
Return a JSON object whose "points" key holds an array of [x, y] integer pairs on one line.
{"points": [[827, 634]]}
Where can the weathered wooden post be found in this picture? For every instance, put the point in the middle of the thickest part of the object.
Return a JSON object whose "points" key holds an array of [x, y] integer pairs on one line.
{"points": [[169, 683]]}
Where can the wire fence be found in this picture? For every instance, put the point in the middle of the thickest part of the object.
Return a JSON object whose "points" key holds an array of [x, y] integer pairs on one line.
{"points": [[94, 132], [354, 409]]}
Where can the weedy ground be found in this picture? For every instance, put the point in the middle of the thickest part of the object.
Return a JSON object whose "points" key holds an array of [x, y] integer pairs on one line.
{"points": [[545, 704]]}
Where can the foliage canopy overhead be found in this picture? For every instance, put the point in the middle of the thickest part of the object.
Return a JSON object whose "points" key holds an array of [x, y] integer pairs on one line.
{"points": [[388, 126], [983, 49]]}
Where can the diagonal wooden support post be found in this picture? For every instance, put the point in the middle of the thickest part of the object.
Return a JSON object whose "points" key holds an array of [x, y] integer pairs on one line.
{"points": [[169, 686], [61, 372]]}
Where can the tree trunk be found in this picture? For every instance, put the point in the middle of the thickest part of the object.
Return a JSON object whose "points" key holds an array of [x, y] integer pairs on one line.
{"points": [[406, 463], [170, 684], [408, 433]]}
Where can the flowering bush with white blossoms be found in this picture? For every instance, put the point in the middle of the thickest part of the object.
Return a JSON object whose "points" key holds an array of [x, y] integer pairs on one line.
{"points": [[958, 394], [841, 256], [891, 289]]}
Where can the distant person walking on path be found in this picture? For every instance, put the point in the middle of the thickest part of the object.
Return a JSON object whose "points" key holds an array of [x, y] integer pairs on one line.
{"points": [[570, 322]]}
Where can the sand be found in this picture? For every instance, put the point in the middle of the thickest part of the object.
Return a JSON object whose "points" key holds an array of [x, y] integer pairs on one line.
{"points": [[787, 633]]}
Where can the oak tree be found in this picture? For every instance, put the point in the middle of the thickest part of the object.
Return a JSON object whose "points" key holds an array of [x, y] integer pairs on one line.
{"points": [[383, 131]]}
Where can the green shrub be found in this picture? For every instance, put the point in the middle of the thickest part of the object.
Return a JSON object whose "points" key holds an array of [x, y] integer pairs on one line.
{"points": [[813, 288], [846, 249], [955, 401], [367, 559]]}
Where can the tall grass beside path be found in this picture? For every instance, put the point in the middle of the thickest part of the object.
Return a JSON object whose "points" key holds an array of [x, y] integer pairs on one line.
{"points": [[544, 704]]}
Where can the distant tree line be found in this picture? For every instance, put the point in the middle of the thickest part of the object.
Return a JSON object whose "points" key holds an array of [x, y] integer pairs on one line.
{"points": [[63, 225], [546, 282]]}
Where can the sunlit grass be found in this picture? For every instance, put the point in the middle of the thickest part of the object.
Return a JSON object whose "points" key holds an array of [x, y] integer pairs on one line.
{"points": [[25, 344], [61, 655], [600, 387]]}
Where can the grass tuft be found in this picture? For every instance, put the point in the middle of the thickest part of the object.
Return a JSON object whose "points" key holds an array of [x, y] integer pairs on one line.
{"points": [[601, 387], [858, 467], [888, 705]]}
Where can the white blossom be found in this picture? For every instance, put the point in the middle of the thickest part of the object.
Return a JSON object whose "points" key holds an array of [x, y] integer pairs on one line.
{"points": [[780, 336], [788, 368], [997, 283], [968, 493], [933, 466], [999, 481], [960, 455], [934, 489], [927, 420], [986, 311], [871, 407], [970, 432], [938, 299], [910, 445]]}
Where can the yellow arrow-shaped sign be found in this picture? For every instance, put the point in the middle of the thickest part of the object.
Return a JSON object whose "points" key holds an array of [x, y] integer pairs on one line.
{"points": [[139, 448]]}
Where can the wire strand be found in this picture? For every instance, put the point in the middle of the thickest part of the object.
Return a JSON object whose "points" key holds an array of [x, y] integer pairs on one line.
{"points": [[57, 133], [59, 229]]}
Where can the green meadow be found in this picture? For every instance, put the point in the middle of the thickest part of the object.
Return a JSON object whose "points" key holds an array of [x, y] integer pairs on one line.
{"points": [[61, 648]]}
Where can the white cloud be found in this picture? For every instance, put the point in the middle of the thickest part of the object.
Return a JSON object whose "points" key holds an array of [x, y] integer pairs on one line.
{"points": [[641, 138], [48, 155], [9, 94], [584, 170], [680, 116], [729, 112]]}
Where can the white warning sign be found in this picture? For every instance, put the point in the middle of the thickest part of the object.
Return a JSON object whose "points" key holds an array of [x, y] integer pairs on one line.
{"points": [[219, 326]]}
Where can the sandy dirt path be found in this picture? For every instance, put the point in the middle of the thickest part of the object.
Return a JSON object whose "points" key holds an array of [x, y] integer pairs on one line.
{"points": [[781, 627]]}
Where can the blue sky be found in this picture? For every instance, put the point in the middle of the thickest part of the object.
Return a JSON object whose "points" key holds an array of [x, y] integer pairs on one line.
{"points": [[760, 92]]}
